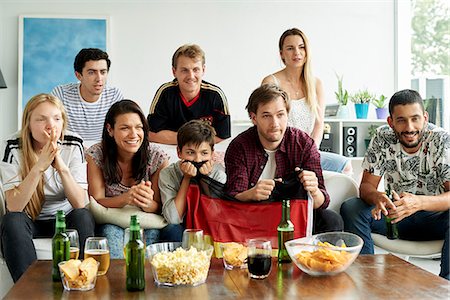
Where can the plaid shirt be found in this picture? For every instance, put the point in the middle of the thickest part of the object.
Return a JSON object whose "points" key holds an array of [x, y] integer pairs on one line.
{"points": [[246, 158]]}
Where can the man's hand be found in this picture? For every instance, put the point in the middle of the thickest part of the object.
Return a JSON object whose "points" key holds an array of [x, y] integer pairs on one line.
{"points": [[188, 169], [141, 195], [383, 203], [262, 190], [407, 204], [309, 181]]}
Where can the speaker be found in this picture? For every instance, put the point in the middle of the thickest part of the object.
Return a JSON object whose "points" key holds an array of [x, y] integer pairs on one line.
{"points": [[327, 143], [350, 134]]}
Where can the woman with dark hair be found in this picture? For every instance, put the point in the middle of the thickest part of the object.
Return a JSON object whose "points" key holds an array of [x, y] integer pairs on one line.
{"points": [[305, 93], [124, 169]]}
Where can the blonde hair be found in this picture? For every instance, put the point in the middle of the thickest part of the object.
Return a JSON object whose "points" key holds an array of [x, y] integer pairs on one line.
{"points": [[29, 155], [192, 51], [306, 77]]}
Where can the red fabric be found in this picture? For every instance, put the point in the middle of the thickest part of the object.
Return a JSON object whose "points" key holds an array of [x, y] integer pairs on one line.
{"points": [[231, 221]]}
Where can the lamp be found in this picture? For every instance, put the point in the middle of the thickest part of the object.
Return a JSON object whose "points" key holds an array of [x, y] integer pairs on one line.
{"points": [[2, 81]]}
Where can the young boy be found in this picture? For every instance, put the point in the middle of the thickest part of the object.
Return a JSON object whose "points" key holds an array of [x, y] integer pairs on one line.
{"points": [[195, 148]]}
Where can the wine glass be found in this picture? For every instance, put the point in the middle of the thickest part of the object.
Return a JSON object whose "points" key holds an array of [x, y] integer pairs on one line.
{"points": [[259, 259], [97, 247], [74, 243], [192, 238], [126, 238]]}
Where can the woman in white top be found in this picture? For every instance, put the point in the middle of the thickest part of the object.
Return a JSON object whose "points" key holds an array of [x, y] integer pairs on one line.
{"points": [[306, 94]]}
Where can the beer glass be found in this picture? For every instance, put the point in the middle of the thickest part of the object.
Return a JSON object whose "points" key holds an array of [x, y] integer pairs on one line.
{"points": [[97, 248], [126, 238], [192, 238], [74, 243], [259, 259]]}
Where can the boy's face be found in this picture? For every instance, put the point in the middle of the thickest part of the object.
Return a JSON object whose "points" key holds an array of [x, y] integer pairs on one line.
{"points": [[202, 152]]}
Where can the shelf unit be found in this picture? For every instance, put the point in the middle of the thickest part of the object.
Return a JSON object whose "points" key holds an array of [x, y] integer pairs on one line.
{"points": [[337, 130]]}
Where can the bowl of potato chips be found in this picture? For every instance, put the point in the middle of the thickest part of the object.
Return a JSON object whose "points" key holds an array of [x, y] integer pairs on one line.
{"points": [[234, 255], [325, 253], [172, 265], [77, 275]]}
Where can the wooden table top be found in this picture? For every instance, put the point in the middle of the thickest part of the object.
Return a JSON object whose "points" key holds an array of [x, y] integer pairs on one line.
{"points": [[370, 276]]}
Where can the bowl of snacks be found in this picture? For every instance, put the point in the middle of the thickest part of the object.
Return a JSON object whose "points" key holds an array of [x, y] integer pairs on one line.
{"points": [[234, 255], [325, 253], [77, 275], [172, 265]]}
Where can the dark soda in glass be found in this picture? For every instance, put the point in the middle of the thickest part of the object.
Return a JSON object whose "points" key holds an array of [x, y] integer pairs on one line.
{"points": [[259, 264]]}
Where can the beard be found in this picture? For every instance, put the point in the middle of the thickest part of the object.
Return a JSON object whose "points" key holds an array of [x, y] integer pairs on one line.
{"points": [[414, 144]]}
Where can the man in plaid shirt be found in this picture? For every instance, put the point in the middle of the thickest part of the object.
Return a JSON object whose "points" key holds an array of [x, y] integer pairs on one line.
{"points": [[259, 156]]}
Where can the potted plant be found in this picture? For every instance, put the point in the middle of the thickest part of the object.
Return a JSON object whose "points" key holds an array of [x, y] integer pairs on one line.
{"points": [[362, 99], [381, 109], [372, 131], [342, 99]]}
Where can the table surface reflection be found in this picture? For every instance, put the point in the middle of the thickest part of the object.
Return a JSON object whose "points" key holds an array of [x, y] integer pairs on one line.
{"points": [[370, 276]]}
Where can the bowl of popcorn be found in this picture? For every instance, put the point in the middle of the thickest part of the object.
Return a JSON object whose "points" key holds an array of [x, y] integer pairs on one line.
{"points": [[234, 255], [325, 253], [172, 265], [77, 275]]}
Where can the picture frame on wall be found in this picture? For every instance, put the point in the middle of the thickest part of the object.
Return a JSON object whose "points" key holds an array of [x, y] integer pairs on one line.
{"points": [[47, 49]]}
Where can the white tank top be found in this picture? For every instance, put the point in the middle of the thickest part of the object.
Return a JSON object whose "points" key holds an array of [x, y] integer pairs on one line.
{"points": [[300, 116]]}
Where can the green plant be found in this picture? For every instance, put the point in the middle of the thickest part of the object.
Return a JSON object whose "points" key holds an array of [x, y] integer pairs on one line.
{"points": [[362, 96], [372, 130], [341, 94], [380, 102]]}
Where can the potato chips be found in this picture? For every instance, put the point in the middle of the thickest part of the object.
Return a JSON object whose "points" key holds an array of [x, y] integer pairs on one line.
{"points": [[234, 254], [79, 275], [324, 259]]}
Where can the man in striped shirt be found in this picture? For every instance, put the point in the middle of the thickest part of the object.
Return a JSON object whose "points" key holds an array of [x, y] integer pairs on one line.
{"points": [[88, 100], [187, 98]]}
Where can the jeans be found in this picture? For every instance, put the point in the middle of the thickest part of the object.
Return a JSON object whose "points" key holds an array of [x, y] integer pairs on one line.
{"points": [[421, 226], [326, 220], [18, 230], [115, 236], [333, 162]]}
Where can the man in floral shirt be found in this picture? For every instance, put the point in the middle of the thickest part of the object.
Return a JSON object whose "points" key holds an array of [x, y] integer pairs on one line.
{"points": [[414, 158]]}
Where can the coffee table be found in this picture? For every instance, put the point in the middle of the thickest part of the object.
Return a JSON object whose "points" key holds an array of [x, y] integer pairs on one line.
{"points": [[370, 276]]}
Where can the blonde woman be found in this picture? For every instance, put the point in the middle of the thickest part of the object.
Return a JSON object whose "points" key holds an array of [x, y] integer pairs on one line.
{"points": [[43, 170], [306, 94]]}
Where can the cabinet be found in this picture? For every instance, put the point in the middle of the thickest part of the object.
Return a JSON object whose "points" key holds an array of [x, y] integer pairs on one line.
{"points": [[338, 130], [350, 134]]}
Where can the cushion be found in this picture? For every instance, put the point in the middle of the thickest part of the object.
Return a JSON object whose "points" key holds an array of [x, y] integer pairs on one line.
{"points": [[121, 216]]}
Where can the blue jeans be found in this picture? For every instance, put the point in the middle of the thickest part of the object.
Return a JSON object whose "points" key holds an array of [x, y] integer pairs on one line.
{"points": [[115, 235], [333, 162], [421, 226]]}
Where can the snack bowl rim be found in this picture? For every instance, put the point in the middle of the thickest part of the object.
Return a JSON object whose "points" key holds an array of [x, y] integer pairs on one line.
{"points": [[65, 282], [209, 249], [229, 266], [307, 243]]}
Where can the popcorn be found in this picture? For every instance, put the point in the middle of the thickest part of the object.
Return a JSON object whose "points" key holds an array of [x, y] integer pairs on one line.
{"points": [[181, 266]]}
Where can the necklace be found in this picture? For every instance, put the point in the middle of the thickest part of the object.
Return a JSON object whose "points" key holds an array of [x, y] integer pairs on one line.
{"points": [[296, 90]]}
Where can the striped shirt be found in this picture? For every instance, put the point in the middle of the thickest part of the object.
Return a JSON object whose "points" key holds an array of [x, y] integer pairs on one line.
{"points": [[86, 118]]}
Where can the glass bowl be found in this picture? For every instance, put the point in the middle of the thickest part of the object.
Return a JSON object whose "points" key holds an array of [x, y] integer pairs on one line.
{"points": [[172, 265], [315, 256], [234, 255], [77, 285]]}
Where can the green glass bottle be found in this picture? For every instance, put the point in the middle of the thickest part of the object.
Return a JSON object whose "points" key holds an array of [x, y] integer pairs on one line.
{"points": [[391, 228], [135, 258], [60, 244], [285, 232]]}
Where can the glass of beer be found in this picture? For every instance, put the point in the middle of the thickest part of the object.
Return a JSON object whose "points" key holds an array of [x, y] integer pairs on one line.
{"points": [[259, 258], [126, 238], [74, 243], [97, 248], [192, 238]]}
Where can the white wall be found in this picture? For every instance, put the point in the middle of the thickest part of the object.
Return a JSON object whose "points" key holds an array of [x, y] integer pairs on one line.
{"points": [[240, 38]]}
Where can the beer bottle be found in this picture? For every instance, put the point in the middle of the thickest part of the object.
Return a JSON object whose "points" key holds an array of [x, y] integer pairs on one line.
{"points": [[391, 228], [285, 232], [60, 244], [135, 258]]}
